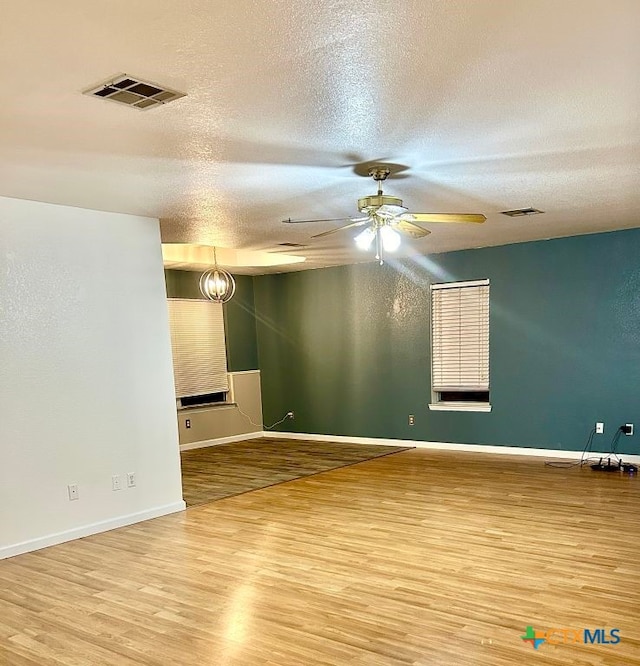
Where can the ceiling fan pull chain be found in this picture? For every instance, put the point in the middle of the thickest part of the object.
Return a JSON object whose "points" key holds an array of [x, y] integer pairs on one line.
{"points": [[379, 247]]}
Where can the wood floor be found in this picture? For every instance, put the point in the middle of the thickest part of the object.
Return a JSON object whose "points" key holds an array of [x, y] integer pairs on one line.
{"points": [[215, 472], [426, 558]]}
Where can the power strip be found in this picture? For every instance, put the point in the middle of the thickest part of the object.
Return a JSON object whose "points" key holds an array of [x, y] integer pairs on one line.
{"points": [[627, 468], [606, 467]]}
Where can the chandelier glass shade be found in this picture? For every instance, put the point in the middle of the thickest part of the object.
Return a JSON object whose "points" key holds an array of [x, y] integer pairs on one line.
{"points": [[385, 237], [390, 238], [365, 238]]}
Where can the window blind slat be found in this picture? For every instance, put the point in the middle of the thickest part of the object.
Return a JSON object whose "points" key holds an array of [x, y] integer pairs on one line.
{"points": [[460, 337], [198, 346]]}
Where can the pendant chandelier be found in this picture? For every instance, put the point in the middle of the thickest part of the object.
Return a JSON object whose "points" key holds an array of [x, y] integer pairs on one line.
{"points": [[217, 284]]}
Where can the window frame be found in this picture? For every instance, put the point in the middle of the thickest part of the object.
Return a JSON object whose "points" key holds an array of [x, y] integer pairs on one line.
{"points": [[204, 349], [436, 403]]}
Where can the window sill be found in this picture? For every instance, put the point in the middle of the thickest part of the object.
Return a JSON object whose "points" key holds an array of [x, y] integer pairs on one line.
{"points": [[460, 407], [213, 405]]}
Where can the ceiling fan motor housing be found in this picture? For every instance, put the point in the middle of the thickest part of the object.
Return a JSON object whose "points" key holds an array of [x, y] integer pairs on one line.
{"points": [[372, 203]]}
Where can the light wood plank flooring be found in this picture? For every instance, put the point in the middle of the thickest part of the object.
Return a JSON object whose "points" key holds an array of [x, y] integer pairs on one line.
{"points": [[426, 558], [215, 472]]}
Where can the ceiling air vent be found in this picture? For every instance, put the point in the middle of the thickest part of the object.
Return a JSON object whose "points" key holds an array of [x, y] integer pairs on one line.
{"points": [[521, 212], [134, 92], [291, 245]]}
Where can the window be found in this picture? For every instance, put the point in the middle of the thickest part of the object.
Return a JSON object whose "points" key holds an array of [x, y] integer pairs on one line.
{"points": [[460, 346], [199, 352]]}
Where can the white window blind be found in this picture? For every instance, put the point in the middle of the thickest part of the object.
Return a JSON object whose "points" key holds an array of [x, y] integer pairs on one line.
{"points": [[460, 336], [198, 346]]}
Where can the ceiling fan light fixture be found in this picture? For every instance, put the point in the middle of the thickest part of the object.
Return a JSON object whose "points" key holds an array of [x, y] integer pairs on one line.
{"points": [[365, 238], [386, 218], [390, 239]]}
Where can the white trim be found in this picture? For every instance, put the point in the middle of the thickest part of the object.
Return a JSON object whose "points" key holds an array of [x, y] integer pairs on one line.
{"points": [[448, 446], [88, 530], [454, 285], [459, 407], [206, 408], [220, 440], [244, 372]]}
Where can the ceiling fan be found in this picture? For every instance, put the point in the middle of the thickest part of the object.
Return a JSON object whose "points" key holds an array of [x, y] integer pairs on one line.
{"points": [[384, 216]]}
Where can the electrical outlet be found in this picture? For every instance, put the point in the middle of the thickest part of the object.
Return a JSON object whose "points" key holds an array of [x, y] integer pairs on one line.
{"points": [[412, 419], [116, 483], [131, 479], [73, 492], [599, 428], [627, 429], [290, 415], [187, 423]]}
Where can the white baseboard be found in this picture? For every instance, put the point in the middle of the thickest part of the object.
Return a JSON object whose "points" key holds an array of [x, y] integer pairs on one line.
{"points": [[220, 440], [447, 446], [88, 530]]}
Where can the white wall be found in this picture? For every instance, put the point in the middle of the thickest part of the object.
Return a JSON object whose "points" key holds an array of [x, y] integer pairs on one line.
{"points": [[86, 383]]}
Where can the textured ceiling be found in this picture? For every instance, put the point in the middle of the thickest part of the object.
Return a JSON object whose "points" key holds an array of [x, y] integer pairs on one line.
{"points": [[493, 104]]}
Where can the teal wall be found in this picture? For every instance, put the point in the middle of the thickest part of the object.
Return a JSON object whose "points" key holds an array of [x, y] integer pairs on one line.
{"points": [[347, 348], [239, 316], [240, 327], [182, 284]]}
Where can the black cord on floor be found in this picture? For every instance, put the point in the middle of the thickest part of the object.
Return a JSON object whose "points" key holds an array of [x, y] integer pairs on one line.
{"points": [[567, 464]]}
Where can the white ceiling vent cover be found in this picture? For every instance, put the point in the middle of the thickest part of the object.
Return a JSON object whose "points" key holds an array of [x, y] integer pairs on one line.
{"points": [[522, 212], [135, 92]]}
